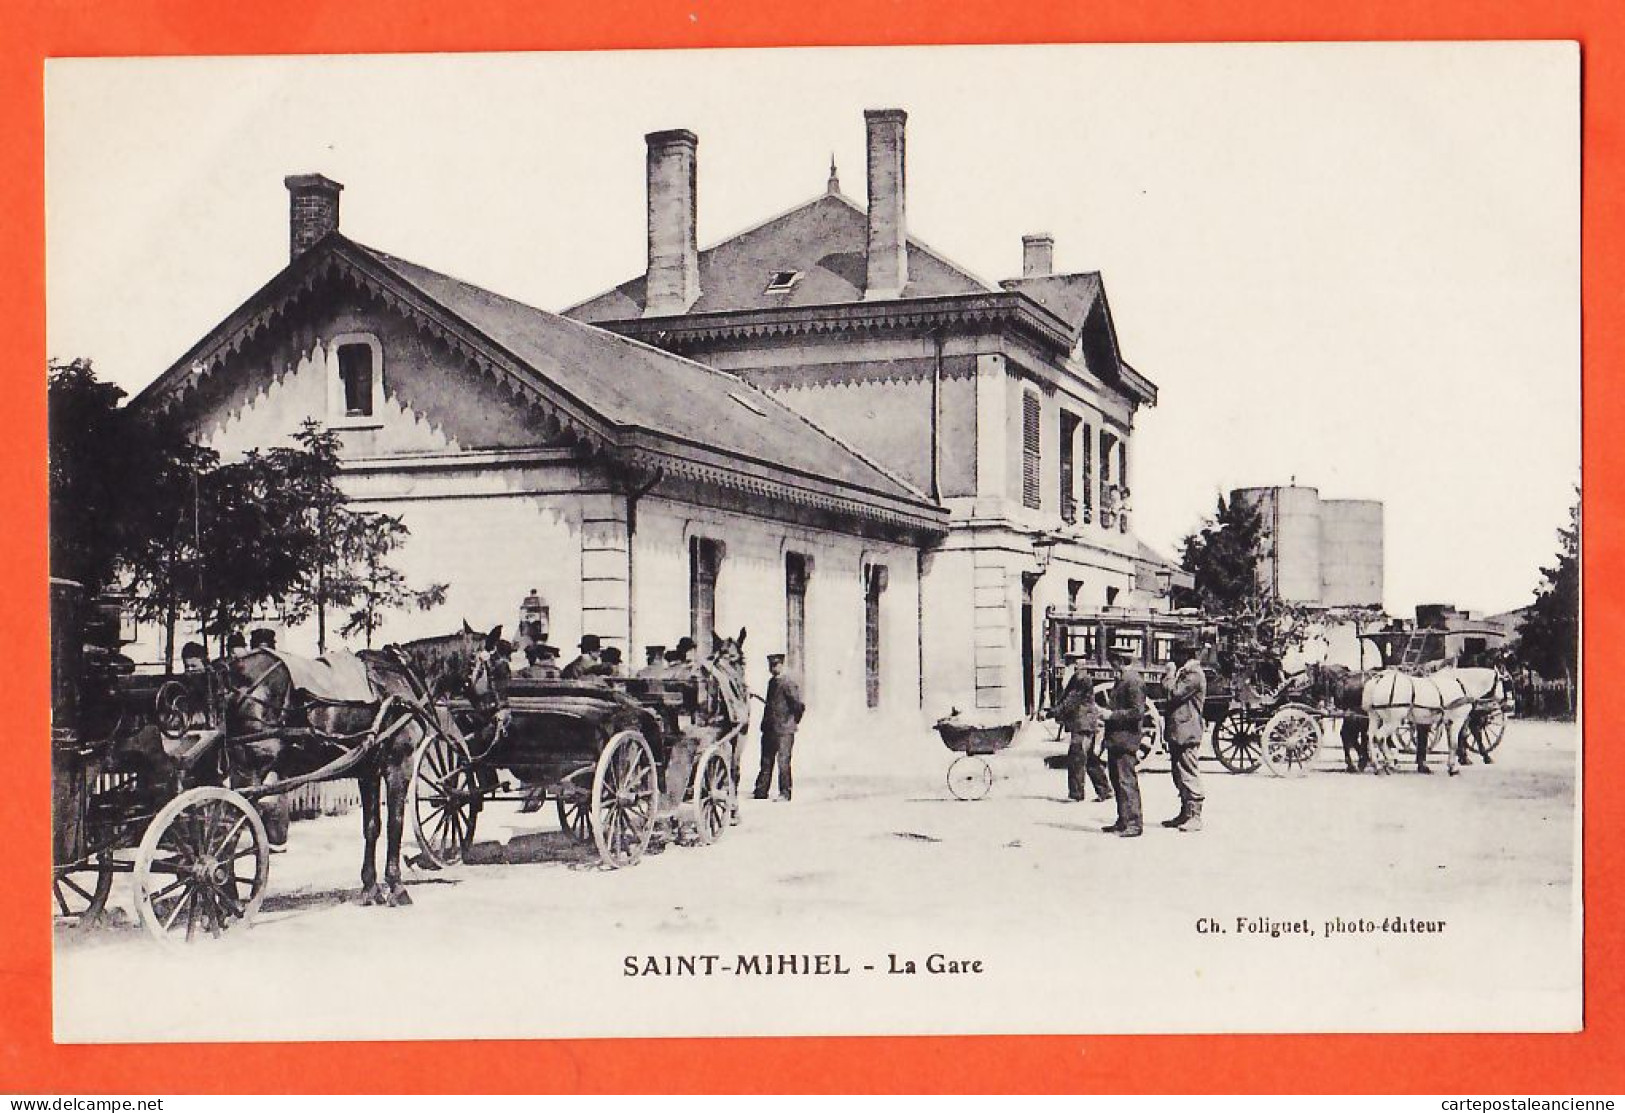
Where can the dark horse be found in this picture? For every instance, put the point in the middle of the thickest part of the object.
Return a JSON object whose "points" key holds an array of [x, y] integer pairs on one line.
{"points": [[276, 731], [1334, 687]]}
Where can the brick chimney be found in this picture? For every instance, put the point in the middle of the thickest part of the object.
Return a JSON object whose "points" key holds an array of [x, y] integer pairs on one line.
{"points": [[1037, 255], [313, 210], [888, 231], [673, 279]]}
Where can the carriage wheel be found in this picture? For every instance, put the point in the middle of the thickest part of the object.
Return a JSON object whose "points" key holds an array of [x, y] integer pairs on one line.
{"points": [[625, 795], [1150, 737], [970, 777], [1489, 726], [172, 708], [190, 877], [1291, 740], [713, 794], [80, 891], [575, 814], [1237, 741], [445, 799]]}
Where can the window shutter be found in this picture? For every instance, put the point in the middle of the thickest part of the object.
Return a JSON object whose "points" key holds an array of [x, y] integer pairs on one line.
{"points": [[1031, 483], [1088, 462]]}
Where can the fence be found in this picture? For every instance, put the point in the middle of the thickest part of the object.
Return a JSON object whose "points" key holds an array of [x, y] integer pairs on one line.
{"points": [[1544, 699], [324, 798]]}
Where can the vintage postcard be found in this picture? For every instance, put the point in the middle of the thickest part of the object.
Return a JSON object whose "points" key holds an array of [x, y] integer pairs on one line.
{"points": [[951, 540]]}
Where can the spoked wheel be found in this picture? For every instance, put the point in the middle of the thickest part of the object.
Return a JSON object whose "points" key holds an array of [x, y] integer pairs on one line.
{"points": [[713, 794], [80, 890], [625, 796], [1291, 740], [1489, 726], [445, 799], [575, 813], [172, 708], [1238, 741], [970, 777], [202, 865]]}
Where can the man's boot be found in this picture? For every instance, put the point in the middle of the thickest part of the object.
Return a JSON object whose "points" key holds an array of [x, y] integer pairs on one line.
{"points": [[1114, 829], [1180, 819], [1194, 822]]}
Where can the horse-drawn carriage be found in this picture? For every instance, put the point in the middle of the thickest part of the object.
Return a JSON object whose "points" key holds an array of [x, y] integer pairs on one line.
{"points": [[161, 777], [619, 757]]}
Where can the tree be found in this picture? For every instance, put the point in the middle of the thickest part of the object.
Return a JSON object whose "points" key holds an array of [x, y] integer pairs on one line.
{"points": [[365, 542], [1222, 555], [1549, 640], [312, 472]]}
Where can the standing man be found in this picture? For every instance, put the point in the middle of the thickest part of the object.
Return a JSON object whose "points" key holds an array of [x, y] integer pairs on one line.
{"points": [[1186, 697], [1126, 713], [1079, 715], [781, 714], [587, 663]]}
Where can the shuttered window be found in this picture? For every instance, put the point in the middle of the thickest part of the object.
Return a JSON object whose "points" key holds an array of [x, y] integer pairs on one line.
{"points": [[1069, 490], [1086, 481], [704, 564], [795, 606], [1031, 456], [874, 584]]}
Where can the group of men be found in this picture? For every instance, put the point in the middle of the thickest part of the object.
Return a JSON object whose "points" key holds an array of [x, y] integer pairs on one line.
{"points": [[1114, 775], [783, 705], [195, 658]]}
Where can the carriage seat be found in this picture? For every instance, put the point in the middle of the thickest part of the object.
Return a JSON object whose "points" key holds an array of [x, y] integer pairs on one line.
{"points": [[336, 677]]}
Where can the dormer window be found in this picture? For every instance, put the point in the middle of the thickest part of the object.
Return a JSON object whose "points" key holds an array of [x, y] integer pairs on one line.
{"points": [[355, 380], [782, 281]]}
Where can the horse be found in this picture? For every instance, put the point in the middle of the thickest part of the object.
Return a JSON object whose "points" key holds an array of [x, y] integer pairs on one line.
{"points": [[1340, 688], [265, 716], [1488, 684], [1446, 698]]}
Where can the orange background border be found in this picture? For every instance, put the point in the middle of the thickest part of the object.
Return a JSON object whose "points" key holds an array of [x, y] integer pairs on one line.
{"points": [[1593, 1061]]}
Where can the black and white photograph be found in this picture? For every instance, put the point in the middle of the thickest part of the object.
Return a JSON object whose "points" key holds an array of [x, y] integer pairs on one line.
{"points": [[842, 541]]}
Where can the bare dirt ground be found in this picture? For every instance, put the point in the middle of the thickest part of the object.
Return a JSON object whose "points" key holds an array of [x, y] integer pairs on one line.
{"points": [[1074, 930]]}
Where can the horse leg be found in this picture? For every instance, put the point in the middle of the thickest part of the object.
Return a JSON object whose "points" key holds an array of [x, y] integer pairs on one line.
{"points": [[368, 778], [1452, 725], [396, 778]]}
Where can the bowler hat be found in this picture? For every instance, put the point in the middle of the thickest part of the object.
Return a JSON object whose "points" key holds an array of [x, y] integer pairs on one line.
{"points": [[775, 658], [589, 643], [612, 655], [685, 643]]}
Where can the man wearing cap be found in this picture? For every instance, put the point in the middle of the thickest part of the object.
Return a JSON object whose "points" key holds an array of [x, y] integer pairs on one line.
{"points": [[541, 662], [262, 638], [1079, 715], [1125, 714], [1186, 696], [781, 714], [236, 645], [654, 663], [587, 663]]}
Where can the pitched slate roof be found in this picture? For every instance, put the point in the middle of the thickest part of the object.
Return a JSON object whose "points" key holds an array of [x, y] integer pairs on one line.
{"points": [[823, 241], [1070, 297], [634, 396]]}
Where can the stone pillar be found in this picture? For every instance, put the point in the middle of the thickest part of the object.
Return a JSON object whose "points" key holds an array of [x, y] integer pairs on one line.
{"points": [[993, 448]]}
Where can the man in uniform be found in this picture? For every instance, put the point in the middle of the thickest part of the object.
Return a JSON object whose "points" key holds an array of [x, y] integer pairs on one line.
{"points": [[1186, 696], [654, 664], [1079, 715], [781, 714], [587, 663], [1125, 714]]}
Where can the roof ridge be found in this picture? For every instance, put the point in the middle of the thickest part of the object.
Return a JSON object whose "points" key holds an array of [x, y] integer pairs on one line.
{"points": [[606, 334], [928, 249]]}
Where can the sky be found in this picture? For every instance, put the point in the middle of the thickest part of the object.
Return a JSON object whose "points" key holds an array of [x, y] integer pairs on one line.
{"points": [[1355, 267]]}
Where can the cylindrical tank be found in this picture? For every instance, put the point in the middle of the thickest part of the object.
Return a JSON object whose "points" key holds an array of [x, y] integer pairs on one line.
{"points": [[1290, 567], [1351, 557]]}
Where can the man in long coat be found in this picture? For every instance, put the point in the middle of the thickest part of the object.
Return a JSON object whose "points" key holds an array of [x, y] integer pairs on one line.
{"points": [[1185, 729], [1126, 713], [1079, 715], [780, 717]]}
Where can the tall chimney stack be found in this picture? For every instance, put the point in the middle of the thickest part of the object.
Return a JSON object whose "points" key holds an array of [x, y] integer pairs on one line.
{"points": [[1037, 255], [888, 230], [313, 210], [672, 284]]}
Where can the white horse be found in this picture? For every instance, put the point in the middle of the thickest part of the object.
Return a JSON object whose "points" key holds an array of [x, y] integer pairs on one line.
{"points": [[1446, 698]]}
